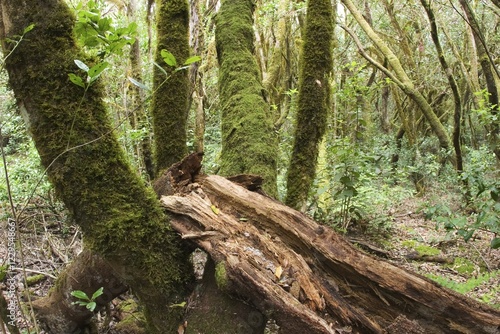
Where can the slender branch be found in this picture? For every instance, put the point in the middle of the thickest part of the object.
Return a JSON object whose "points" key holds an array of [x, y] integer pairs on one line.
{"points": [[375, 63]]}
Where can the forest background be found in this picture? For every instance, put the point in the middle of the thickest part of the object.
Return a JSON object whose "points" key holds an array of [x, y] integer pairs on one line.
{"points": [[379, 149]]}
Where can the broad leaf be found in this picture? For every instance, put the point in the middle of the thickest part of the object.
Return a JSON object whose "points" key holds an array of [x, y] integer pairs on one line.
{"points": [[81, 65], [97, 69], [168, 57], [495, 243], [91, 306], [76, 80], [80, 295], [97, 293], [192, 59]]}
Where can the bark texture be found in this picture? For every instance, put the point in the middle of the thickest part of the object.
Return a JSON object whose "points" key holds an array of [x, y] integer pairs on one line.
{"points": [[171, 96], [314, 101], [120, 217], [308, 278], [249, 143]]}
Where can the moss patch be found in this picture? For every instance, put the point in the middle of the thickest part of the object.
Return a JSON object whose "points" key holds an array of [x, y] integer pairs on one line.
{"points": [[463, 266], [221, 276]]}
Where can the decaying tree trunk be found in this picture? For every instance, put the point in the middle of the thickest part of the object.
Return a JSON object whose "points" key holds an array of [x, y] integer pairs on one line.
{"points": [[305, 276]]}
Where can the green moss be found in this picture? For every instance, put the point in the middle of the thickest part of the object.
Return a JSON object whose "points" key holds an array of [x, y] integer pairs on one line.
{"points": [[409, 243], [463, 266], [467, 286], [32, 280], [3, 272], [249, 142], [313, 101], [427, 250], [221, 276], [421, 249], [170, 100]]}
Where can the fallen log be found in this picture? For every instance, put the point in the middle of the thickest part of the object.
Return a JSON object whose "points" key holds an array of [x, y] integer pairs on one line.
{"points": [[304, 275]]}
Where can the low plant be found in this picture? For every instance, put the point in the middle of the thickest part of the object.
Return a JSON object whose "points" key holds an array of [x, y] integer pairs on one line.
{"points": [[84, 300]]}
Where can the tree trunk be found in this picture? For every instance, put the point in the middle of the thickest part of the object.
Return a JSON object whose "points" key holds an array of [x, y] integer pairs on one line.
{"points": [[249, 144], [311, 278], [118, 215], [135, 100], [314, 101], [457, 114], [171, 95], [489, 75]]}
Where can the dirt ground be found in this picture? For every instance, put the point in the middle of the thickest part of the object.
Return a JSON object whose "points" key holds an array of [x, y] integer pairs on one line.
{"points": [[47, 241]]}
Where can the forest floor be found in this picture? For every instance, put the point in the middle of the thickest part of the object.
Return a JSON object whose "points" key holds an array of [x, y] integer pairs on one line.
{"points": [[472, 268]]}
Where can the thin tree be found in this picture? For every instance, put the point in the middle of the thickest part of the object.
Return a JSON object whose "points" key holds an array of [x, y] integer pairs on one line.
{"points": [[313, 101], [457, 114], [171, 93]]}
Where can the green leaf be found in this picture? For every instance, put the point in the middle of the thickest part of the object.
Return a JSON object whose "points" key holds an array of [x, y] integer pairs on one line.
{"points": [[91, 306], [76, 80], [192, 59], [168, 57], [29, 28], [495, 243], [160, 68], [178, 305], [96, 70], [81, 65], [137, 83], [214, 209], [79, 294], [97, 293]]}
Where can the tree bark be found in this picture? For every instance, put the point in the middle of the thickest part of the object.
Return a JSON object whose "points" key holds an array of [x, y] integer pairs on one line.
{"points": [[313, 101], [312, 279], [171, 95], [249, 143]]}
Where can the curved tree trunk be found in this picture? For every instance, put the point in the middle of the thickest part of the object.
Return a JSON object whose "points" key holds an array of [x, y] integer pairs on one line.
{"points": [[249, 144], [171, 96], [119, 216], [314, 101], [457, 114], [403, 81]]}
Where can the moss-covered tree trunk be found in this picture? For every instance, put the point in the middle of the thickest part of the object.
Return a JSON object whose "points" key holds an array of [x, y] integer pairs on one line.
{"points": [[170, 100], [119, 216], [135, 100], [249, 144], [489, 76], [313, 103]]}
